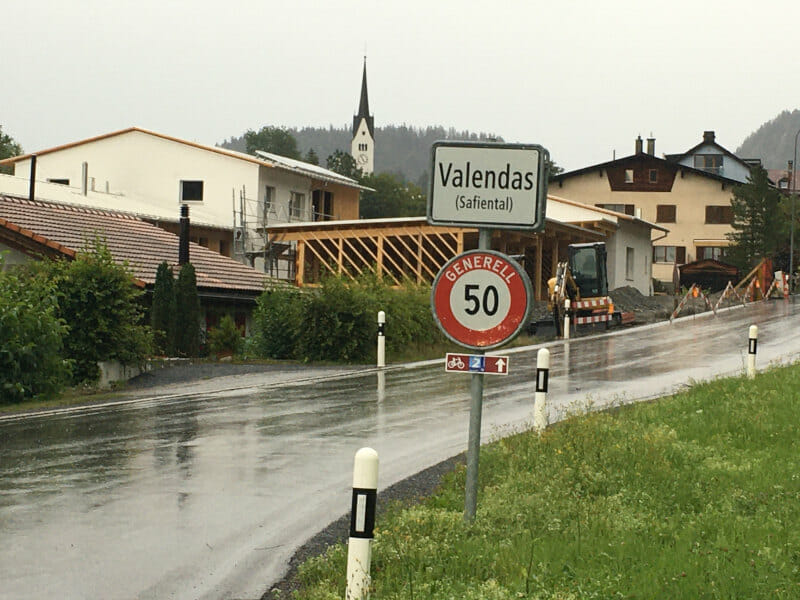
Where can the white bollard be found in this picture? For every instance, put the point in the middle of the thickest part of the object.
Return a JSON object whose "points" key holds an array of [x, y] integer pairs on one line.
{"points": [[566, 318], [540, 401], [381, 339], [752, 347], [362, 523]]}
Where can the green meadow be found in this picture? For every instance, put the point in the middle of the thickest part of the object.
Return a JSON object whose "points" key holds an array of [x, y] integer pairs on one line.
{"points": [[692, 496]]}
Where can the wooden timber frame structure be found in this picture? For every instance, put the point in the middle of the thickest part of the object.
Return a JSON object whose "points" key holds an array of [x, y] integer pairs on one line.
{"points": [[403, 250]]}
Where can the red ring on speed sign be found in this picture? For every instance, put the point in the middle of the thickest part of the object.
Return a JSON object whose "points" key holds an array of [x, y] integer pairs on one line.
{"points": [[481, 299]]}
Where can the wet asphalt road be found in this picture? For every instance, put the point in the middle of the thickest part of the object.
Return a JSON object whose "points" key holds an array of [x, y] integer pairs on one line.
{"points": [[205, 490]]}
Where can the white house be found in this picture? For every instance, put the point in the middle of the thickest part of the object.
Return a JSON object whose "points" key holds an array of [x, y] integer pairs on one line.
{"points": [[628, 241], [236, 192]]}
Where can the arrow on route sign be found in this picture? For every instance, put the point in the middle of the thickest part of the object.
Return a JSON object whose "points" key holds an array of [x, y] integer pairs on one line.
{"points": [[481, 299], [476, 363]]}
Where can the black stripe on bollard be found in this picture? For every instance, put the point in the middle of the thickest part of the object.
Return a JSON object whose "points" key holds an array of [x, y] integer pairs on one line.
{"points": [[751, 349], [542, 377], [381, 328], [362, 515]]}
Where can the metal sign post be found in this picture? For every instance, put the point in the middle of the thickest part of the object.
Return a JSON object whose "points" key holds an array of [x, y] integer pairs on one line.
{"points": [[475, 415]]}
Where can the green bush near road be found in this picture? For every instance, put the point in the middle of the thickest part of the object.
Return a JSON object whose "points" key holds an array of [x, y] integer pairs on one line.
{"points": [[692, 496], [59, 318], [338, 321], [31, 339]]}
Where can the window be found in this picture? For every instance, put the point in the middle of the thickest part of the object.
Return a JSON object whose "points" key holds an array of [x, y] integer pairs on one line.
{"points": [[719, 215], [629, 264], [59, 181], [297, 203], [710, 252], [665, 213], [224, 248], [711, 163], [626, 209], [363, 147], [628, 175], [203, 241], [669, 254], [269, 204], [191, 191], [653, 175]]}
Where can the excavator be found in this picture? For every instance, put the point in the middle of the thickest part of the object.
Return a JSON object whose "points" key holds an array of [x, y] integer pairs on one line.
{"points": [[583, 279]]}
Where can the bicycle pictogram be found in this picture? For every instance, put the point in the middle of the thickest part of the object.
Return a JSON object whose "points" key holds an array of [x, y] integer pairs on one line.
{"points": [[455, 362]]}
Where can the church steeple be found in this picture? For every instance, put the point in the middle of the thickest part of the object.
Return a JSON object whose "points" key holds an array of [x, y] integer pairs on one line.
{"points": [[363, 105], [362, 148]]}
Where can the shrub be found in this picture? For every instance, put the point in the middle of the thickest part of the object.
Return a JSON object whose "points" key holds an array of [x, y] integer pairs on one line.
{"points": [[100, 304], [338, 321], [225, 338], [277, 323], [31, 339]]}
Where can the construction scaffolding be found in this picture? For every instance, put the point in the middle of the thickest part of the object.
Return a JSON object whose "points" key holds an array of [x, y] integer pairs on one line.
{"points": [[251, 240]]}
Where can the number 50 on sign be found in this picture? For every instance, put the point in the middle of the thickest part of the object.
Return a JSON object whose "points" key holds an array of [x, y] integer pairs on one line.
{"points": [[481, 299]]}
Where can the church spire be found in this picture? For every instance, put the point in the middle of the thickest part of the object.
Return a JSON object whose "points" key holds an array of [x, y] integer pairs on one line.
{"points": [[363, 106]]}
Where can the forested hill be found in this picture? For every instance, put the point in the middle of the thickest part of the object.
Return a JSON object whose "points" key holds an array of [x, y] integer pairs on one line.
{"points": [[773, 142], [399, 149]]}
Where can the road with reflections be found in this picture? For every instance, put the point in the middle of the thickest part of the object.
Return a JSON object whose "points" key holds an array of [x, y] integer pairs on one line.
{"points": [[206, 494]]}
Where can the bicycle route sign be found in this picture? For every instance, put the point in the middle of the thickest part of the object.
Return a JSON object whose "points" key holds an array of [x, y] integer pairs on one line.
{"points": [[476, 363], [481, 299]]}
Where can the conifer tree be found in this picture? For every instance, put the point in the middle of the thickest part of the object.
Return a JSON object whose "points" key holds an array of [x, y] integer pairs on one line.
{"points": [[759, 221], [187, 315], [162, 311]]}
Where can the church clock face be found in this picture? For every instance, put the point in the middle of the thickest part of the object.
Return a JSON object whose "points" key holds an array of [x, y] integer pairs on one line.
{"points": [[362, 159]]}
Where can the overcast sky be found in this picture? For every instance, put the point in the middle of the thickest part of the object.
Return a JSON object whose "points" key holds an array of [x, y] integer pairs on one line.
{"points": [[583, 79]]}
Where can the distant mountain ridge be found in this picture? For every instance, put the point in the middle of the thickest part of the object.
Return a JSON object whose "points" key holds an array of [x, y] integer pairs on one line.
{"points": [[399, 149], [774, 141]]}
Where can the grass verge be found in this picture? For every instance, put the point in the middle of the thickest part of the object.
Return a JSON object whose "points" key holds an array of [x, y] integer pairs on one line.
{"points": [[693, 496]]}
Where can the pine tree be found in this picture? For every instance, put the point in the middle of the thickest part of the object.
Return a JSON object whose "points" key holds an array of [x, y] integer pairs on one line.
{"points": [[187, 313], [162, 311], [311, 157], [759, 221]]}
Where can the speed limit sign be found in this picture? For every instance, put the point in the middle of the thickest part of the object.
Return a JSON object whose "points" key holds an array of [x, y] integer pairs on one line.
{"points": [[481, 299]]}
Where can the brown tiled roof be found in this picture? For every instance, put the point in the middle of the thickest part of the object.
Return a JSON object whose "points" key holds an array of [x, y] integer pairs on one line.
{"points": [[68, 228]]}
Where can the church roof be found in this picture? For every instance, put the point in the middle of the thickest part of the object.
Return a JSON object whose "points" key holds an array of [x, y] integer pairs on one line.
{"points": [[363, 107]]}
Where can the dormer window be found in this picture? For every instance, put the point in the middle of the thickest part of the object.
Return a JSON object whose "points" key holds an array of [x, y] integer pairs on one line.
{"points": [[711, 163]]}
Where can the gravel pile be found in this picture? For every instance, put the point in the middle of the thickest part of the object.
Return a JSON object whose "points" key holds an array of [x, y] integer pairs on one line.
{"points": [[647, 308]]}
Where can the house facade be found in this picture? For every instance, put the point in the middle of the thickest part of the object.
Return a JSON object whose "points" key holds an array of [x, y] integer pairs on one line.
{"points": [[628, 241], [237, 192], [694, 205]]}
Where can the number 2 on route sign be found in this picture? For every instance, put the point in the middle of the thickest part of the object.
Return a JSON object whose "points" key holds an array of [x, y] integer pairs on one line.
{"points": [[481, 299]]}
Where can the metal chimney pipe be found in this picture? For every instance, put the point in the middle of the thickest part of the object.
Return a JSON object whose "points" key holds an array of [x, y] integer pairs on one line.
{"points": [[32, 188], [85, 178], [183, 242]]}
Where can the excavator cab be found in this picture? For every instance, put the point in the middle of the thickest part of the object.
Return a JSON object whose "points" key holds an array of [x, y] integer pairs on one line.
{"points": [[587, 265]]}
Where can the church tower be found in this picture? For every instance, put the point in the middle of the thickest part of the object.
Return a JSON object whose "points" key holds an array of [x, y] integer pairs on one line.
{"points": [[362, 148]]}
